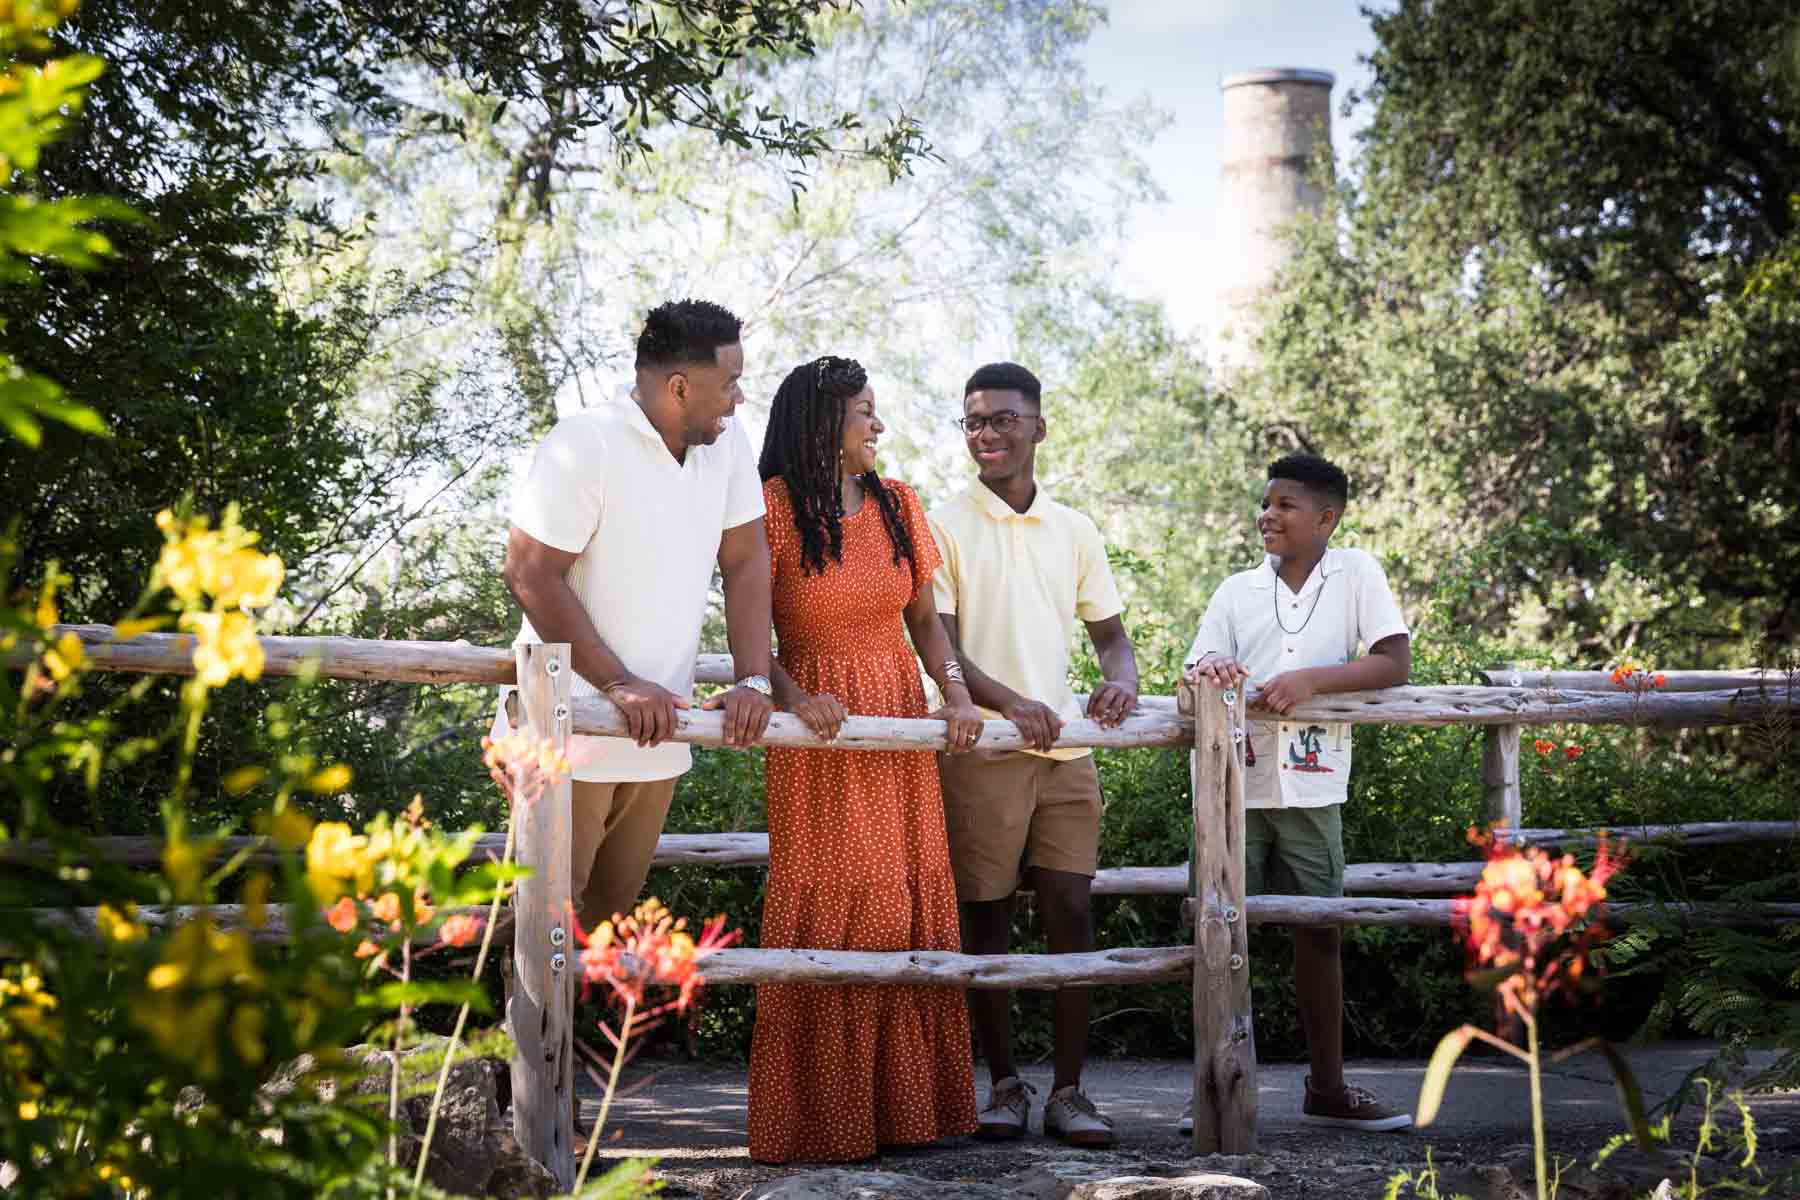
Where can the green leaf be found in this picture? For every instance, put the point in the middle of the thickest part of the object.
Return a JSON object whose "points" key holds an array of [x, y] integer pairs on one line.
{"points": [[1631, 1097], [1437, 1073], [426, 991]]}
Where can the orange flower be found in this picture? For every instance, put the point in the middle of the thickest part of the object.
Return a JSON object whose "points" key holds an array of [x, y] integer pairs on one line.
{"points": [[524, 769], [387, 909], [1543, 746], [459, 929], [1572, 752], [342, 915], [1658, 679], [650, 948], [367, 949], [1534, 918], [422, 910]]}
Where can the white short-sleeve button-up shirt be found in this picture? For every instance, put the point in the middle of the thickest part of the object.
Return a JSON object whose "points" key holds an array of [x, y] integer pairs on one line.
{"points": [[1345, 605]]}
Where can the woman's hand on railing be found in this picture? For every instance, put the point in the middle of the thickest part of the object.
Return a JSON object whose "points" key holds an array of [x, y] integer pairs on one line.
{"points": [[824, 714], [964, 721]]}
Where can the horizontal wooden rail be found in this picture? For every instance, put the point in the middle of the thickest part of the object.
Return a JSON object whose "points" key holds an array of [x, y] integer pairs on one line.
{"points": [[459, 662], [1123, 965], [1698, 833], [1672, 681]]}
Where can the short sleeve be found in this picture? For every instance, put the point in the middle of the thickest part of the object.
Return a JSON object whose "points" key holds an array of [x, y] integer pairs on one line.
{"points": [[926, 559], [946, 583], [784, 538], [1096, 592], [1378, 614], [1215, 635], [744, 491], [560, 500]]}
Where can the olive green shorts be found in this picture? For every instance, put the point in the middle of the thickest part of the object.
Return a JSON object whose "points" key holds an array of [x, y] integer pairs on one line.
{"points": [[1294, 851]]}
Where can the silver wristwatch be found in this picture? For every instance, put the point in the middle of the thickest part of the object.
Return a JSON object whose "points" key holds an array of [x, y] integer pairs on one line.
{"points": [[757, 683]]}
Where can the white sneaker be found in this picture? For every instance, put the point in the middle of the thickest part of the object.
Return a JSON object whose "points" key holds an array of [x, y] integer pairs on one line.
{"points": [[1007, 1111], [1185, 1126], [1072, 1117]]}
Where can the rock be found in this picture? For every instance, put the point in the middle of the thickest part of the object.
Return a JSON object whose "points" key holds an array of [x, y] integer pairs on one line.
{"points": [[1147, 1181], [863, 1185], [472, 1149]]}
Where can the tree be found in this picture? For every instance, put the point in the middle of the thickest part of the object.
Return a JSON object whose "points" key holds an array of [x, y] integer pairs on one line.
{"points": [[1525, 324]]}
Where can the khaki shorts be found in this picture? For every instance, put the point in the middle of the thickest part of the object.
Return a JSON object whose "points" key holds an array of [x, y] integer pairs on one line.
{"points": [[615, 827], [1294, 851], [1005, 810]]}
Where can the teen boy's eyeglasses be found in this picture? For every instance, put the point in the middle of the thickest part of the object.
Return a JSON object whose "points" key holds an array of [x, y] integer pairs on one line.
{"points": [[1002, 422]]}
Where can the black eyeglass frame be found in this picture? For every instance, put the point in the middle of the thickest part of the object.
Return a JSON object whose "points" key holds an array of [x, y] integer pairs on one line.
{"points": [[1002, 421]]}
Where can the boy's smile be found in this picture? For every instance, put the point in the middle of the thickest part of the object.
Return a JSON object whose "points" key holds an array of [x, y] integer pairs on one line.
{"points": [[1293, 523]]}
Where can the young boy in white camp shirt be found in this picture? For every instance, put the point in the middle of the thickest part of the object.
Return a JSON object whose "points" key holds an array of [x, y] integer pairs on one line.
{"points": [[1291, 628]]}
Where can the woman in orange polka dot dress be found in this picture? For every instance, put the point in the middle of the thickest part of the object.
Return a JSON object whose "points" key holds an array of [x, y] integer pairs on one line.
{"points": [[857, 855]]}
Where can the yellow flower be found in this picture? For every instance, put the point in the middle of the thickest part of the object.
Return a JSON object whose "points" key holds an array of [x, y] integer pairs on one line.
{"points": [[334, 778], [28, 1111], [116, 926], [124, 631], [244, 778], [244, 578], [226, 646], [184, 864], [65, 657], [336, 857], [292, 829]]}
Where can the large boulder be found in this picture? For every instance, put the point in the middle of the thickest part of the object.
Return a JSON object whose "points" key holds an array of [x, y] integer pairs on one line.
{"points": [[841, 1184]]}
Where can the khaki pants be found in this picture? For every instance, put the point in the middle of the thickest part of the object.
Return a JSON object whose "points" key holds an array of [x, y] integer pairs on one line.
{"points": [[615, 830]]}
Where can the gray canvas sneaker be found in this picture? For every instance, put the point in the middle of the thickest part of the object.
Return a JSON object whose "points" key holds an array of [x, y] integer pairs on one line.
{"points": [[1072, 1117], [1353, 1108], [1007, 1111]]}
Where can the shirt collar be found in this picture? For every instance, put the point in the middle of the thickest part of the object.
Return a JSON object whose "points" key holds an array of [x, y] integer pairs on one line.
{"points": [[1000, 510], [639, 420], [1329, 565]]}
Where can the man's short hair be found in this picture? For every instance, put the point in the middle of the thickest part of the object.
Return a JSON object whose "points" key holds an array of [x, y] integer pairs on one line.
{"points": [[686, 333], [1005, 377], [1324, 479]]}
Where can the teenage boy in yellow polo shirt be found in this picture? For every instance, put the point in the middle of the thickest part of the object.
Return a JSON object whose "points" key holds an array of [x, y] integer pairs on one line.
{"points": [[1018, 570]]}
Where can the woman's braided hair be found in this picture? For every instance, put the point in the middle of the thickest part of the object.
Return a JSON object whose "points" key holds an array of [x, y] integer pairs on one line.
{"points": [[804, 444]]}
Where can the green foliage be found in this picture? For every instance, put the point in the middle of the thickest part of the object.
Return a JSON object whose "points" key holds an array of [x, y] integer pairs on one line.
{"points": [[1528, 306]]}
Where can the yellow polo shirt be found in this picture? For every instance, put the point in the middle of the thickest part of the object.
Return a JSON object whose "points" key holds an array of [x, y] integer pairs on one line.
{"points": [[1016, 583]]}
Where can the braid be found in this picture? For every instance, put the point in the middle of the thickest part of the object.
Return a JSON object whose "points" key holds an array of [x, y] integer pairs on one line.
{"points": [[804, 438]]}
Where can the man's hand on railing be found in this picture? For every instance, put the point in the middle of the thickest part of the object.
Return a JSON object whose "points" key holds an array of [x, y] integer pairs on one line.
{"points": [[1111, 703], [824, 714], [648, 709], [1038, 723], [1225, 672], [1286, 692], [746, 714]]}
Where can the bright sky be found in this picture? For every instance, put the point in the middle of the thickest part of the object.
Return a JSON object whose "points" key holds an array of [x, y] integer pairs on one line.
{"points": [[1176, 52]]}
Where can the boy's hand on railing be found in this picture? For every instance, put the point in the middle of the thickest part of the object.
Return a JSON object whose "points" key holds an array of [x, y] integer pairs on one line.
{"points": [[824, 714], [1286, 692], [746, 715], [648, 708], [1038, 723], [1225, 672], [1111, 703]]}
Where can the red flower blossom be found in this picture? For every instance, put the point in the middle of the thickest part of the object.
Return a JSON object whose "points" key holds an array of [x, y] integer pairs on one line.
{"points": [[1572, 752], [459, 929], [1543, 746], [650, 949], [342, 915], [1533, 919]]}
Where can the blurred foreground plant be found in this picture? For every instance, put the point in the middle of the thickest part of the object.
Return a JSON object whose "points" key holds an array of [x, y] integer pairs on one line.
{"points": [[1529, 928]]}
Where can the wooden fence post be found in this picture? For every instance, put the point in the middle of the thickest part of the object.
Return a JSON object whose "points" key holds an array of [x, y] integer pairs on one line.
{"points": [[540, 1007], [1224, 1035], [1500, 776]]}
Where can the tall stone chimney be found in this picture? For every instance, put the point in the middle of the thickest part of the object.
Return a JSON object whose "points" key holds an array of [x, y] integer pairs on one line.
{"points": [[1275, 120]]}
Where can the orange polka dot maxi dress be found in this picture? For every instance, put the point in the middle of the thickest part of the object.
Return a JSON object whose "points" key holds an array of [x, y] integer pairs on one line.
{"points": [[857, 861]]}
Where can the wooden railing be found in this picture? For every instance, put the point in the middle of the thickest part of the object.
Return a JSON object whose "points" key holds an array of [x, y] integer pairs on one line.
{"points": [[1208, 720]]}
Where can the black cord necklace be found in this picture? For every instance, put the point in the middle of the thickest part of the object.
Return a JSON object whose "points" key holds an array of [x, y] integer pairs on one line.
{"points": [[1275, 598]]}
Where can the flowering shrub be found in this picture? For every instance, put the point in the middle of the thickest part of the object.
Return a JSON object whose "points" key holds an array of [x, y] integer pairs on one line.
{"points": [[1529, 929]]}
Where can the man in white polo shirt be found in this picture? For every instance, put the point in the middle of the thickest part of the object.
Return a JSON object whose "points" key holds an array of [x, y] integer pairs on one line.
{"points": [[1019, 569], [615, 531], [1292, 627]]}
